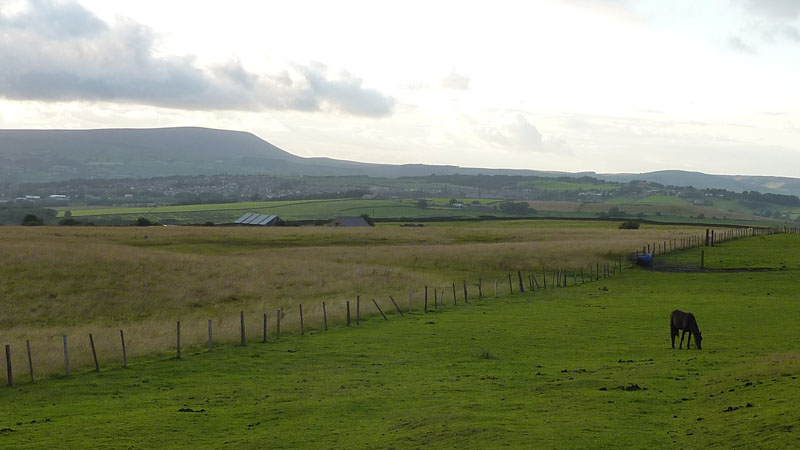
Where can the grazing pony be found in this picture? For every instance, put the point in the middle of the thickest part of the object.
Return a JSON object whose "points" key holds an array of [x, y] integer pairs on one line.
{"points": [[683, 321]]}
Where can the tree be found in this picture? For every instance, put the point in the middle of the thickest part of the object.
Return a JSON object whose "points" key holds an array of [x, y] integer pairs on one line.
{"points": [[422, 203], [143, 222], [32, 220]]}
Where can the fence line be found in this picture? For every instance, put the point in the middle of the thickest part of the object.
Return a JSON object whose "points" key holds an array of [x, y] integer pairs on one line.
{"points": [[559, 278]]}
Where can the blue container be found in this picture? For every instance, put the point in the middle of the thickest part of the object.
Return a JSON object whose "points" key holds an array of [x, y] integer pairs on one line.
{"points": [[645, 260]]}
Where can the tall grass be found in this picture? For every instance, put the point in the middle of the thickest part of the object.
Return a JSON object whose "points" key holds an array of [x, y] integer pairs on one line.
{"points": [[76, 281]]}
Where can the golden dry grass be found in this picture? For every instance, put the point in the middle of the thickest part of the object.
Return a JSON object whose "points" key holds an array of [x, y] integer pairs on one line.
{"points": [[73, 281]]}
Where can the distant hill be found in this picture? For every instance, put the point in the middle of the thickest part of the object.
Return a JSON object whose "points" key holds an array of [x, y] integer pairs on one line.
{"points": [[52, 155]]}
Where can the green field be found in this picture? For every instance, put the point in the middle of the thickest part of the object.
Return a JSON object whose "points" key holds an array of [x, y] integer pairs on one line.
{"points": [[582, 367], [287, 210]]}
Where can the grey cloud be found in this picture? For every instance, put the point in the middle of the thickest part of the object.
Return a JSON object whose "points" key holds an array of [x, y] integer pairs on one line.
{"points": [[517, 134], [773, 20], [81, 58], [774, 8], [55, 19]]}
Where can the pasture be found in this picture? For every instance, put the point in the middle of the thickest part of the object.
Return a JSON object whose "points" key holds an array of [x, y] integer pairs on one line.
{"points": [[584, 366], [73, 281]]}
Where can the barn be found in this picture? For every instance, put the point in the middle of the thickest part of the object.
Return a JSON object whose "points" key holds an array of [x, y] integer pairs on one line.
{"points": [[253, 219], [349, 222]]}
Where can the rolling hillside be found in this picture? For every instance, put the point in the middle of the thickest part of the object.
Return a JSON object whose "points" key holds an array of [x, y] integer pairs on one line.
{"points": [[35, 156]]}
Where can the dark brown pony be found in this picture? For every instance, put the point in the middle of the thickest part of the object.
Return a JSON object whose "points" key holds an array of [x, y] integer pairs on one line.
{"points": [[683, 321]]}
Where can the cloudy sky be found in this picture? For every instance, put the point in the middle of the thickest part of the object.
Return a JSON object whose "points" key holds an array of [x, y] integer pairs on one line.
{"points": [[568, 85]]}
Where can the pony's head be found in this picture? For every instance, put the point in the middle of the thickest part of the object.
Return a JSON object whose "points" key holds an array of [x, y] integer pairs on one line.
{"points": [[698, 340]]}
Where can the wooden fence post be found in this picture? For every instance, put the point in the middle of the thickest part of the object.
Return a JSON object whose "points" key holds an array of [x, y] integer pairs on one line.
{"points": [[510, 285], [30, 359], [435, 298], [358, 310], [241, 325], [348, 313], [278, 321], [325, 316], [379, 309], [544, 278], [398, 308], [480, 290], [66, 357], [495, 288], [264, 328], [702, 258], [466, 300], [302, 325], [124, 351], [455, 301], [426, 299], [210, 335], [179, 339], [521, 284], [8, 366], [94, 353], [410, 297]]}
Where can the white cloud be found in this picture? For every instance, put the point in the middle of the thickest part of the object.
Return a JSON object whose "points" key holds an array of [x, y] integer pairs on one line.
{"points": [[60, 51]]}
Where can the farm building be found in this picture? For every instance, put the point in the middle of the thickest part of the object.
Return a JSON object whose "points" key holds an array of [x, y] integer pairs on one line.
{"points": [[257, 220], [348, 222]]}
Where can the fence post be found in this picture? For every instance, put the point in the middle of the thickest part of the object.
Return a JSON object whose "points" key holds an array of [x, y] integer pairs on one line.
{"points": [[94, 353], [179, 339], [544, 278], [395, 305], [521, 284], [495, 288], [66, 356], [325, 316], [358, 310], [348, 313], [30, 359], [8, 366], [379, 309], [124, 351], [241, 325], [302, 325], [210, 335], [702, 258], [264, 326], [455, 301], [410, 298], [278, 321], [426, 299], [480, 290], [466, 300], [510, 285]]}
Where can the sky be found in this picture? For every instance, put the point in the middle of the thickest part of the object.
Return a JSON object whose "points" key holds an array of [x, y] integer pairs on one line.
{"points": [[607, 86]]}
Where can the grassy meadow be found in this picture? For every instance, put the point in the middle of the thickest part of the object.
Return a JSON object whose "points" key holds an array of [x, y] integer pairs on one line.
{"points": [[69, 281], [588, 366]]}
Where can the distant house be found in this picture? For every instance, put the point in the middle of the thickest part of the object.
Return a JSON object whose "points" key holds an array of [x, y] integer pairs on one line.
{"points": [[253, 219], [348, 222]]}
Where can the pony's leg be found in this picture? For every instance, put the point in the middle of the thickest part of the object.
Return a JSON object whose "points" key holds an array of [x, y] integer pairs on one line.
{"points": [[672, 333], [689, 341], [682, 336]]}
